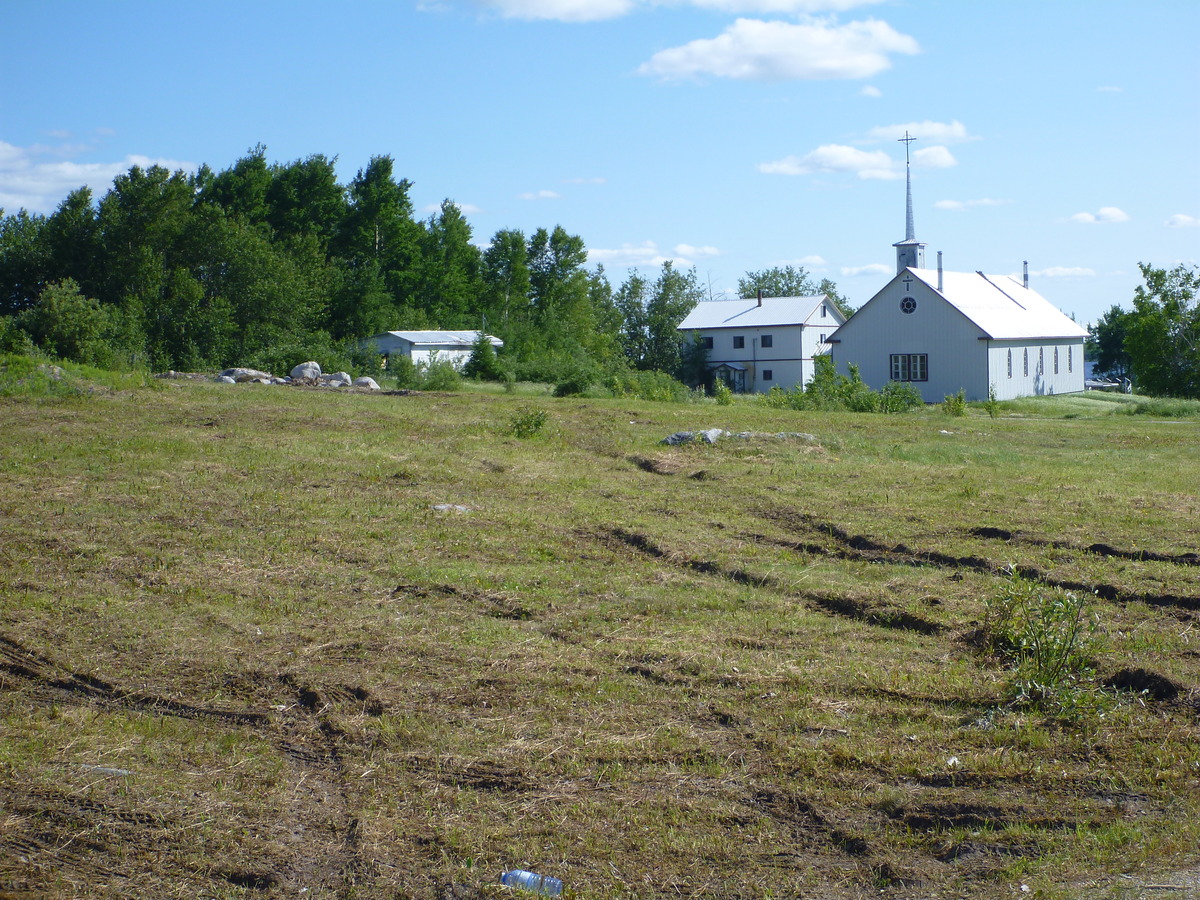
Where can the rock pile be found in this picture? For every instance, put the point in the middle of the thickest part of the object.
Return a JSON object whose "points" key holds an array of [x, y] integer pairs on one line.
{"points": [[712, 435], [307, 373]]}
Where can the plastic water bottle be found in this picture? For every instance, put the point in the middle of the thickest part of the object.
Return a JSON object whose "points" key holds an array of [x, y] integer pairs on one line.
{"points": [[531, 881]]}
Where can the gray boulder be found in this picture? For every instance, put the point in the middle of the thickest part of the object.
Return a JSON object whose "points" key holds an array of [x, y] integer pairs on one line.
{"points": [[337, 379], [224, 379], [308, 369], [365, 382], [242, 374]]}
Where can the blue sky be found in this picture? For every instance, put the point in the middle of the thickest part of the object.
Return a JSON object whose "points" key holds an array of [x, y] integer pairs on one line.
{"points": [[729, 135]]}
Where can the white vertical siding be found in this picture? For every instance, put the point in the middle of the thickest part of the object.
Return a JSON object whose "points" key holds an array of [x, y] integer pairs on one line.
{"points": [[1038, 382]]}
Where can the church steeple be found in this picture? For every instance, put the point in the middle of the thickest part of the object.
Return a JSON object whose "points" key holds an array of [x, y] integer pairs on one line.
{"points": [[910, 253]]}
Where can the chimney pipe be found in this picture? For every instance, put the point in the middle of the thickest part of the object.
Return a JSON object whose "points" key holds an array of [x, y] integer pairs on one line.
{"points": [[760, 296], [939, 271], [1026, 274]]}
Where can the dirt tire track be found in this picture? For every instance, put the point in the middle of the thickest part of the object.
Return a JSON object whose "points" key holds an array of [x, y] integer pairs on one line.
{"points": [[883, 616], [1097, 549], [867, 549]]}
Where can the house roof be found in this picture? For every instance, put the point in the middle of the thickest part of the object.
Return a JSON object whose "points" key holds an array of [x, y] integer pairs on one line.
{"points": [[1001, 306], [460, 338], [748, 313]]}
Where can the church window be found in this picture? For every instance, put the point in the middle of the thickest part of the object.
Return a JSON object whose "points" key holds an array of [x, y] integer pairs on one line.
{"points": [[1070, 359], [1041, 360], [767, 341], [1010, 364], [1055, 360], [739, 342], [908, 305], [1026, 362], [910, 366]]}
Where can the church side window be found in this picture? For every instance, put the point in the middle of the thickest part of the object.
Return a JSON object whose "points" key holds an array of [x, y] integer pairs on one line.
{"points": [[910, 366], [1026, 362], [1055, 360], [1010, 364], [1070, 358], [1041, 360]]}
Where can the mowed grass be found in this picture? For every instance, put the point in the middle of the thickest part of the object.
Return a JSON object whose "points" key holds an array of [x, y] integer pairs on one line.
{"points": [[260, 640]]}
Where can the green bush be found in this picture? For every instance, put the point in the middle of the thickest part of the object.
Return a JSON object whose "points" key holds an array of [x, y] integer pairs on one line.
{"points": [[439, 375], [956, 404], [639, 385], [1047, 634], [528, 421], [898, 397], [992, 404], [723, 393], [483, 364]]}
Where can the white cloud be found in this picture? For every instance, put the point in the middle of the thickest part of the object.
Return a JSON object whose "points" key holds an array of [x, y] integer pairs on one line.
{"points": [[1181, 220], [561, 10], [942, 132], [870, 269], [754, 50], [934, 158], [540, 195], [871, 91], [38, 178], [1110, 89], [961, 205], [693, 252], [811, 262], [585, 181], [790, 7], [1106, 215], [836, 158], [1063, 272]]}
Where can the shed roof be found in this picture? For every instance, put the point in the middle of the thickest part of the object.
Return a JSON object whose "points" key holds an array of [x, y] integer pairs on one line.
{"points": [[747, 313], [463, 338], [1001, 306]]}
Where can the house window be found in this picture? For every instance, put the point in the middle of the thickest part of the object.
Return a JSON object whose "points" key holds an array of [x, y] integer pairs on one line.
{"points": [[739, 342], [767, 341], [824, 311], [1026, 362], [1010, 364], [706, 343], [910, 366], [1070, 359], [822, 339], [768, 375], [1055, 360]]}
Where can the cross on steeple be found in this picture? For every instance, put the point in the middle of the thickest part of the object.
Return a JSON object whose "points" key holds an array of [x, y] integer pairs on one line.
{"points": [[909, 252]]}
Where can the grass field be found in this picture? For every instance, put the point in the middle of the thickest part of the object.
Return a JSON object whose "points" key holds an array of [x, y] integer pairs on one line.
{"points": [[286, 642]]}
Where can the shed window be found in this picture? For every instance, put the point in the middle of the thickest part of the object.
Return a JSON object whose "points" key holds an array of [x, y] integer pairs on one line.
{"points": [[767, 341], [739, 342], [910, 366]]}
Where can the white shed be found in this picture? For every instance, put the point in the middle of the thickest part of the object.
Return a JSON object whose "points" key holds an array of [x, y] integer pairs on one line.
{"points": [[758, 343], [423, 347], [946, 331]]}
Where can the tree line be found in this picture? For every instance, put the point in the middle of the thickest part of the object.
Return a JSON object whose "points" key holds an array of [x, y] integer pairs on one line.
{"points": [[1157, 343], [263, 264]]}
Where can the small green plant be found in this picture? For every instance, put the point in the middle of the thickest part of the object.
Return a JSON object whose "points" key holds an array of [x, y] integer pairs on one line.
{"points": [[723, 393], [956, 404], [1047, 634], [528, 421], [992, 404]]}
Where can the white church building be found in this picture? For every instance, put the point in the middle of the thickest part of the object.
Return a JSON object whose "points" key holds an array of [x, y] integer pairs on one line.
{"points": [[947, 331]]}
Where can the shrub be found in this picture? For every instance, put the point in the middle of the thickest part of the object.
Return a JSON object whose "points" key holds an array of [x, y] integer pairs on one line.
{"points": [[992, 404], [1048, 635], [528, 421], [899, 396], [722, 392], [483, 364], [956, 404], [439, 375]]}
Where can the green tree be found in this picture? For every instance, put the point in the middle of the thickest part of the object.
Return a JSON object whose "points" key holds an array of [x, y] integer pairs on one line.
{"points": [[1107, 342], [304, 198], [675, 294], [67, 324], [506, 279], [23, 261], [241, 190], [450, 286], [631, 300], [1163, 332], [791, 281]]}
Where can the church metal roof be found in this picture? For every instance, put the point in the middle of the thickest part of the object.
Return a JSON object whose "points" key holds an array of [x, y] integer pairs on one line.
{"points": [[1001, 305], [747, 313]]}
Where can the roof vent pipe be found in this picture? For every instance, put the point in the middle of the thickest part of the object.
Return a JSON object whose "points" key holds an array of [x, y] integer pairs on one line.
{"points": [[760, 296], [939, 271], [1027, 274]]}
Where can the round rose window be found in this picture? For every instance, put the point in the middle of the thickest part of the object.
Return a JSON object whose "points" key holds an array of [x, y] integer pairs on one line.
{"points": [[908, 305]]}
